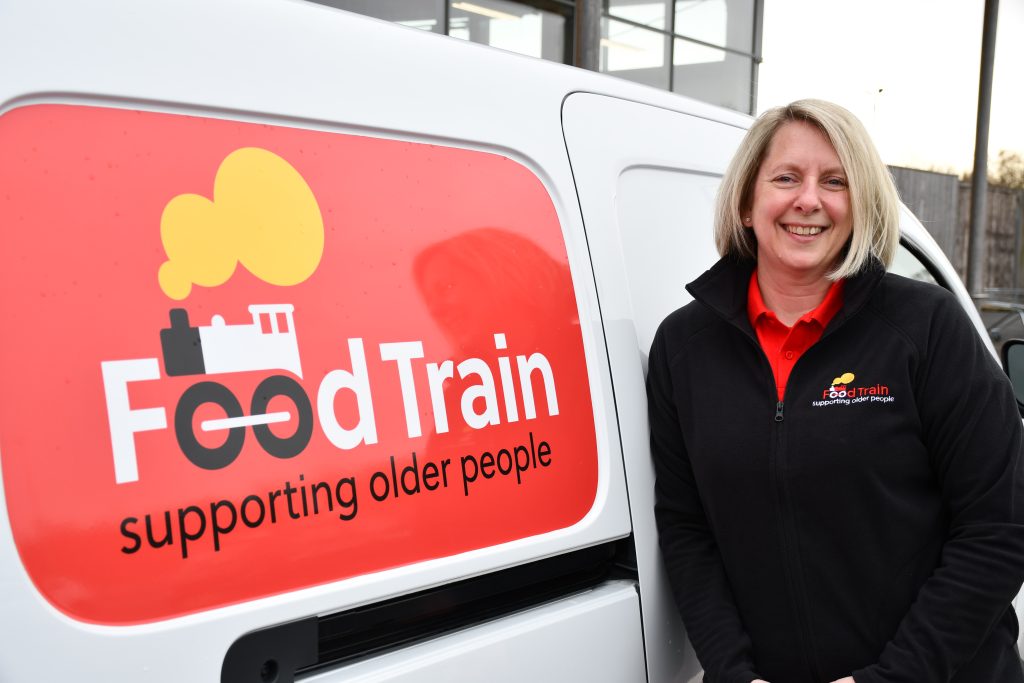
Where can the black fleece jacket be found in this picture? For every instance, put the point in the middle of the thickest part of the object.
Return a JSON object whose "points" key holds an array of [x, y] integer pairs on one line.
{"points": [[872, 528]]}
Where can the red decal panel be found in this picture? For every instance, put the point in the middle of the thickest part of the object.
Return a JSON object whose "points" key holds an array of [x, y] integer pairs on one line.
{"points": [[243, 359]]}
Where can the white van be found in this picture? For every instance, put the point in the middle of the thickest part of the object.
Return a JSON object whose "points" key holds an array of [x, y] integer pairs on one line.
{"points": [[325, 344]]}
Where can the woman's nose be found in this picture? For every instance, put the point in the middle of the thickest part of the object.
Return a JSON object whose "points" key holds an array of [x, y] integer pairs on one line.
{"points": [[808, 199]]}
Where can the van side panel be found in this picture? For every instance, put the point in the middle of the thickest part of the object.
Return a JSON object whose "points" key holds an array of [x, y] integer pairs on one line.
{"points": [[374, 375], [530, 646], [647, 178], [259, 73]]}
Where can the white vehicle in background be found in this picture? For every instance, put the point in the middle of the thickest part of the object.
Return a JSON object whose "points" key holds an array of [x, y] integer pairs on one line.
{"points": [[566, 211]]}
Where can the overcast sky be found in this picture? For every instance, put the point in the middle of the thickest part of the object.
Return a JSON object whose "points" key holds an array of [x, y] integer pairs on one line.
{"points": [[908, 68]]}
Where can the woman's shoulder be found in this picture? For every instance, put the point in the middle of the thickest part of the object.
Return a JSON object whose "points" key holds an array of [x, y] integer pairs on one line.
{"points": [[909, 285], [914, 298], [686, 320], [682, 325], [919, 308]]}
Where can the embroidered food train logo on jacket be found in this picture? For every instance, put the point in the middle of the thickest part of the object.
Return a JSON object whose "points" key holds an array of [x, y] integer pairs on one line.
{"points": [[264, 217], [843, 391]]}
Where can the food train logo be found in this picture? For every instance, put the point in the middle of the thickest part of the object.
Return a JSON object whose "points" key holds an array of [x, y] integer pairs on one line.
{"points": [[265, 218], [843, 392]]}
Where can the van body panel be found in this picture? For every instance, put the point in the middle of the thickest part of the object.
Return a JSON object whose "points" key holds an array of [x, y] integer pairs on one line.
{"points": [[293, 425], [646, 178], [592, 636]]}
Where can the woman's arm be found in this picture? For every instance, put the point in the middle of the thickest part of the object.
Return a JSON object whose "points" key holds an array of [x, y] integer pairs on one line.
{"points": [[972, 429], [691, 555]]}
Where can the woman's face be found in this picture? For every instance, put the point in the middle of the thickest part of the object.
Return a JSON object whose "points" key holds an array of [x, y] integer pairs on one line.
{"points": [[800, 209]]}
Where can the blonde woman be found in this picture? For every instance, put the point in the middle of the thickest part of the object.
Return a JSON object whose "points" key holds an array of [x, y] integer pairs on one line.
{"points": [[839, 486]]}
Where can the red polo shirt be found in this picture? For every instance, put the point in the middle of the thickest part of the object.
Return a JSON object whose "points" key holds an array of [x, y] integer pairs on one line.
{"points": [[784, 345]]}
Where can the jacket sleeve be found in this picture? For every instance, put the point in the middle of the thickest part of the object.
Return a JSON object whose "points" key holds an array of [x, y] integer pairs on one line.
{"points": [[695, 572], [972, 429]]}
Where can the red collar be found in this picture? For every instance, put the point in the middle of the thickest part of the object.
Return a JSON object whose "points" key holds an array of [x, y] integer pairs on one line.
{"points": [[821, 315]]}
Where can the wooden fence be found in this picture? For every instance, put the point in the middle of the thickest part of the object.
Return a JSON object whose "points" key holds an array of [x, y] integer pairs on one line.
{"points": [[943, 204]]}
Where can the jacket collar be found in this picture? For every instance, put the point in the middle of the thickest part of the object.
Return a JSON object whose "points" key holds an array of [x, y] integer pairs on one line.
{"points": [[723, 289]]}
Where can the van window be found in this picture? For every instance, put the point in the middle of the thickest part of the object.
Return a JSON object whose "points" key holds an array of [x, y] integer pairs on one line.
{"points": [[907, 264]]}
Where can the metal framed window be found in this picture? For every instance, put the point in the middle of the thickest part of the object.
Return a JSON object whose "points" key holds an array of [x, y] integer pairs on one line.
{"points": [[539, 28], [708, 49]]}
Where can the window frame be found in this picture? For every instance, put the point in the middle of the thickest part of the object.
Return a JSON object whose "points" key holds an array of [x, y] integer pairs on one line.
{"points": [[754, 55], [919, 254], [565, 8]]}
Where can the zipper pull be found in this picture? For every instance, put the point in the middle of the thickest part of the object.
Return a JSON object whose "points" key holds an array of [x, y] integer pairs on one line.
{"points": [[778, 411]]}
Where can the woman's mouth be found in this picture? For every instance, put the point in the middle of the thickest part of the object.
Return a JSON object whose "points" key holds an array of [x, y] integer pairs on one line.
{"points": [[803, 229]]}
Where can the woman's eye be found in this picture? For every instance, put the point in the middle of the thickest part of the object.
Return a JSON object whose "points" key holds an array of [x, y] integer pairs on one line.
{"points": [[836, 182], [785, 179]]}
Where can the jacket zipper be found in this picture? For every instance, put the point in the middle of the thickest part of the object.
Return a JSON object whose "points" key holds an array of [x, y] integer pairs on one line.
{"points": [[787, 533], [789, 537]]}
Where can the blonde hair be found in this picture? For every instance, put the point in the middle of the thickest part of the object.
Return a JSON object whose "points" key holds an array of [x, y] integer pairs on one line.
{"points": [[874, 202]]}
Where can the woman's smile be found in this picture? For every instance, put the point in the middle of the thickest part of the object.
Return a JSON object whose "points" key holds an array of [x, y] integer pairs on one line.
{"points": [[804, 230]]}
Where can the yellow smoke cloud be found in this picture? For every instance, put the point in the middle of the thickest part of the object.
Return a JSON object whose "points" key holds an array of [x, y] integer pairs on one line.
{"points": [[845, 378], [263, 215]]}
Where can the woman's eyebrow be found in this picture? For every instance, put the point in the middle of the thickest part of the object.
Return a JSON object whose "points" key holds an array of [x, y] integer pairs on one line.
{"points": [[792, 166]]}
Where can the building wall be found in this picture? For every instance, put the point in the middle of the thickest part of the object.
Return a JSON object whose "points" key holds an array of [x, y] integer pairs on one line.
{"points": [[706, 49]]}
